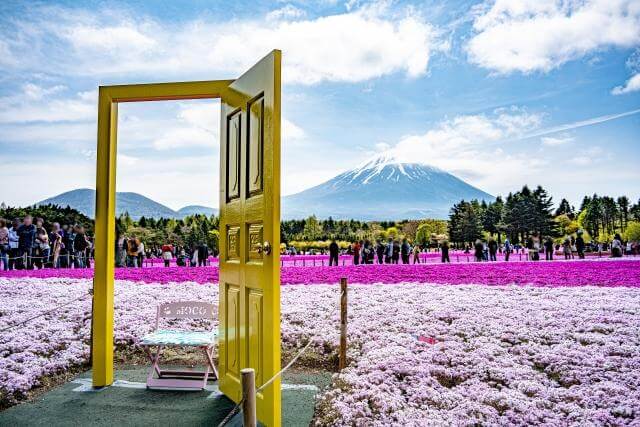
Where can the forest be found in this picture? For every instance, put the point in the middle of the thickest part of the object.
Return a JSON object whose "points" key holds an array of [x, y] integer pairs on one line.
{"points": [[517, 216]]}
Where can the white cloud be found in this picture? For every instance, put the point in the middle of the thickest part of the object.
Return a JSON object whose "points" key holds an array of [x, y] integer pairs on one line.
{"points": [[359, 45], [581, 160], [551, 141], [381, 146], [36, 103], [291, 132], [36, 92], [125, 160], [109, 39], [476, 147], [540, 35], [287, 12], [184, 137], [632, 85], [202, 115], [589, 156]]}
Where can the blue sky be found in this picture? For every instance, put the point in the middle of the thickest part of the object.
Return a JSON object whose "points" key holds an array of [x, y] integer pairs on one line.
{"points": [[499, 93]]}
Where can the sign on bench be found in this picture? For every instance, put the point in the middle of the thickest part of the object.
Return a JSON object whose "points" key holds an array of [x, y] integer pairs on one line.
{"points": [[187, 310]]}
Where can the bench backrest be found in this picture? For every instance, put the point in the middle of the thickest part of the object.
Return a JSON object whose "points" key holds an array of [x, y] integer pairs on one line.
{"points": [[186, 310]]}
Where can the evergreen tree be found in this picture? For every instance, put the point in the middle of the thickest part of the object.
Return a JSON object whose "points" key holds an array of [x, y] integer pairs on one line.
{"points": [[492, 218], [543, 217], [623, 205], [565, 209], [465, 222], [634, 211]]}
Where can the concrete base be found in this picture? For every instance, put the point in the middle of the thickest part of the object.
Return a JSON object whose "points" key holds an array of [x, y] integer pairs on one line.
{"points": [[128, 402]]}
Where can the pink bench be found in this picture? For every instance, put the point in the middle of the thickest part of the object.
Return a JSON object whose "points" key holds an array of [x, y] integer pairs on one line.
{"points": [[162, 338]]}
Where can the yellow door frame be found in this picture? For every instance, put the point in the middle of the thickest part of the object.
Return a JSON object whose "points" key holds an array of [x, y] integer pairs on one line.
{"points": [[108, 99], [103, 298]]}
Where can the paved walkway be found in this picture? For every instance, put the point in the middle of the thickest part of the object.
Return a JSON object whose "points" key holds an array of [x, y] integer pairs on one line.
{"points": [[128, 402]]}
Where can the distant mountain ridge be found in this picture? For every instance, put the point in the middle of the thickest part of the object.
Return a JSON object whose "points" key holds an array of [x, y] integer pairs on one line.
{"points": [[384, 189], [380, 189], [137, 205]]}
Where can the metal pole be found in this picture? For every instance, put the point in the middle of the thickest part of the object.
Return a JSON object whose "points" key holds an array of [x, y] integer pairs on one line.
{"points": [[249, 397], [343, 323]]}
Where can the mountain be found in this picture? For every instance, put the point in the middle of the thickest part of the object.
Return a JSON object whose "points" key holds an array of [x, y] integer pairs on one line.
{"points": [[383, 189], [196, 210], [380, 189], [137, 205]]}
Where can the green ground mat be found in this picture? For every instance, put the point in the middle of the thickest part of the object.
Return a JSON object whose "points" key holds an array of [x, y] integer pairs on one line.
{"points": [[128, 402]]}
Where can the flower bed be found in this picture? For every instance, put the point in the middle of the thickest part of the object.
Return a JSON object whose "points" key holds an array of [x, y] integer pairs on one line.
{"points": [[509, 355], [496, 356], [611, 273]]}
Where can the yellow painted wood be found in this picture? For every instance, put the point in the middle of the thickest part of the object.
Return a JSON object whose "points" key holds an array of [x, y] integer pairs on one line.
{"points": [[102, 333], [249, 222], [249, 218], [109, 97], [168, 91]]}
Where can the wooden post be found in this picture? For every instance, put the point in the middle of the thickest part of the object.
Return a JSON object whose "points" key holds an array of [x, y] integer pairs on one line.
{"points": [[249, 396], [343, 324]]}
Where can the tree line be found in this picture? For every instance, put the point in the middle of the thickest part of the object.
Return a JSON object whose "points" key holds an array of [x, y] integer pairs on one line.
{"points": [[527, 211], [517, 216]]}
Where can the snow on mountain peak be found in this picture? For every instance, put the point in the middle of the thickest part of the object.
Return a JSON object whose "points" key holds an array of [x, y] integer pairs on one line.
{"points": [[379, 161], [395, 168]]}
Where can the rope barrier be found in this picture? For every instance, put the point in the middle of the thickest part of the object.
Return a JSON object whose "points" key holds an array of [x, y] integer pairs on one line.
{"points": [[45, 257], [235, 409], [14, 325]]}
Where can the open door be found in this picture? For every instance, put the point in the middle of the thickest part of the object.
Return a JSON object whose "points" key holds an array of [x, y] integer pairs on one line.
{"points": [[249, 308], [250, 234]]}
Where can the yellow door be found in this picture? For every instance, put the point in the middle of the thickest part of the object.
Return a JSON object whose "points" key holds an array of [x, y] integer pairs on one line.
{"points": [[250, 234]]}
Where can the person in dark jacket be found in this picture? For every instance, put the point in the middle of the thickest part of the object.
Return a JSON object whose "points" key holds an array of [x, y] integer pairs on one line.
{"points": [[334, 252], [68, 240], [444, 250], [395, 257], [548, 249], [580, 245], [388, 251], [380, 250], [80, 246], [478, 248], [203, 255], [493, 250], [26, 241], [405, 250]]}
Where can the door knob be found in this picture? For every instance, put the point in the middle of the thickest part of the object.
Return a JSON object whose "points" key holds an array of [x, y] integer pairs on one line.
{"points": [[266, 247]]}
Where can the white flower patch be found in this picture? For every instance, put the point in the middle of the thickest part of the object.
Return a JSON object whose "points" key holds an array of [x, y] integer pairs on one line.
{"points": [[502, 355]]}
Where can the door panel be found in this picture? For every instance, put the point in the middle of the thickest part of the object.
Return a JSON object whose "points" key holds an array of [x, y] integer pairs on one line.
{"points": [[250, 215]]}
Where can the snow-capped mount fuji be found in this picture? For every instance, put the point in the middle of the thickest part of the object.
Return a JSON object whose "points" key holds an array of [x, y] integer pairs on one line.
{"points": [[383, 188]]}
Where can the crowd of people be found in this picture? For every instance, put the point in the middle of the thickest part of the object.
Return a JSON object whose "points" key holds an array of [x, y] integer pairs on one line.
{"points": [[402, 251], [535, 247], [393, 251], [28, 245], [131, 252]]}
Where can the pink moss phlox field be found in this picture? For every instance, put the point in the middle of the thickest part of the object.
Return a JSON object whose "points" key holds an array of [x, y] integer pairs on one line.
{"points": [[514, 355], [508, 355], [558, 273]]}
